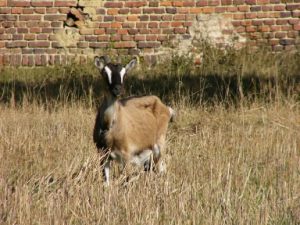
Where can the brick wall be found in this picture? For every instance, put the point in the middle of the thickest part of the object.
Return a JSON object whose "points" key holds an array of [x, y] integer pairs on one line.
{"points": [[35, 33]]}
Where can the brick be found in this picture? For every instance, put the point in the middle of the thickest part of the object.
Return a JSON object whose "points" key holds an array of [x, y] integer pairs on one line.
{"points": [[91, 38], [124, 11], [202, 3], [98, 44], [40, 10], [99, 31], [128, 25], [155, 31], [151, 38], [30, 17], [135, 4], [279, 7], [65, 3], [42, 3], [16, 10], [16, 44], [18, 37], [104, 25], [250, 15], [116, 25], [255, 8], [158, 10], [141, 25], [153, 25], [125, 44], [180, 30], [126, 38], [244, 8], [285, 14], [132, 18], [293, 6], [164, 24], [153, 4], [27, 11], [250, 2], [6, 18], [280, 35], [179, 17], [29, 37], [133, 31], [112, 11], [5, 10], [144, 17], [176, 24], [18, 3], [171, 10], [111, 30], [165, 3], [183, 10], [139, 37], [148, 44], [196, 10], [57, 24], [104, 38], [220, 9], [11, 30], [189, 3], [168, 30], [15, 60], [108, 18], [144, 31], [35, 30], [21, 30], [3, 3], [135, 11], [42, 36], [55, 17], [51, 10], [113, 4], [40, 44], [282, 21], [167, 17], [155, 17], [226, 2], [294, 21]]}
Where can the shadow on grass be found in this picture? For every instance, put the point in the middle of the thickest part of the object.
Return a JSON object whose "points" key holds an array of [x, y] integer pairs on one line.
{"points": [[197, 89]]}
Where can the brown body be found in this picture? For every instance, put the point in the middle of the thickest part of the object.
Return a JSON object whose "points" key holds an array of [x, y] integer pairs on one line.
{"points": [[133, 125]]}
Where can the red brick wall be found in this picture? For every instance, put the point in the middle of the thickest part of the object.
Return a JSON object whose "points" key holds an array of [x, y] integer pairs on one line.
{"points": [[30, 29]]}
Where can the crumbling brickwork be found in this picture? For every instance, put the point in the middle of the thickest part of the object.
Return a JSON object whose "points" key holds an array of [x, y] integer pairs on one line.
{"points": [[36, 33]]}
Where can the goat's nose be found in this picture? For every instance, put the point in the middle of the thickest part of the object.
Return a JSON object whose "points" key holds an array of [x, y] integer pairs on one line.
{"points": [[117, 90]]}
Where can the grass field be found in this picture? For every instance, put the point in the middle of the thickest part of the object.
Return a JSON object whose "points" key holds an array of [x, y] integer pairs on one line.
{"points": [[232, 156]]}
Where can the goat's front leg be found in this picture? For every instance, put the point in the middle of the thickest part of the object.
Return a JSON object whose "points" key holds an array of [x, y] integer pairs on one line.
{"points": [[105, 164]]}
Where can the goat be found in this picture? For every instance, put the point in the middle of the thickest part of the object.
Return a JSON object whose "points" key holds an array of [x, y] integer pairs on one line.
{"points": [[129, 129]]}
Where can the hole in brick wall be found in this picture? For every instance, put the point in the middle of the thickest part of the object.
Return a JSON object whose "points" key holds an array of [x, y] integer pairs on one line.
{"points": [[76, 17]]}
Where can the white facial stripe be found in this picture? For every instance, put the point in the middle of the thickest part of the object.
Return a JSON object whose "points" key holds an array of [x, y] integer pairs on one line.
{"points": [[122, 74], [108, 72]]}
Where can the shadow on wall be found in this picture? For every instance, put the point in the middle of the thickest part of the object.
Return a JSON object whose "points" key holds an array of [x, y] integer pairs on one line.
{"points": [[196, 89]]}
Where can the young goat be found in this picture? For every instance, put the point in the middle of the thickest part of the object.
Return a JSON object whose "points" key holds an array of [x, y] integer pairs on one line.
{"points": [[130, 129]]}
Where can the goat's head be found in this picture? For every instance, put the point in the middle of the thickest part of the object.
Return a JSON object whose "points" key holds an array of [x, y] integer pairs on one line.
{"points": [[113, 74]]}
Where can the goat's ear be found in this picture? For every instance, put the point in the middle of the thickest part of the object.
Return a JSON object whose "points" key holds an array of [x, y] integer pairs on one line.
{"points": [[131, 64], [99, 62]]}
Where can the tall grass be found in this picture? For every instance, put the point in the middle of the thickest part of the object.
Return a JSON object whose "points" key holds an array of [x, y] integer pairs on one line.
{"points": [[233, 155]]}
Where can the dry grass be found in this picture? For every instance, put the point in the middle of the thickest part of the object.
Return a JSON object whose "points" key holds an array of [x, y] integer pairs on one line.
{"points": [[233, 155], [225, 166]]}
